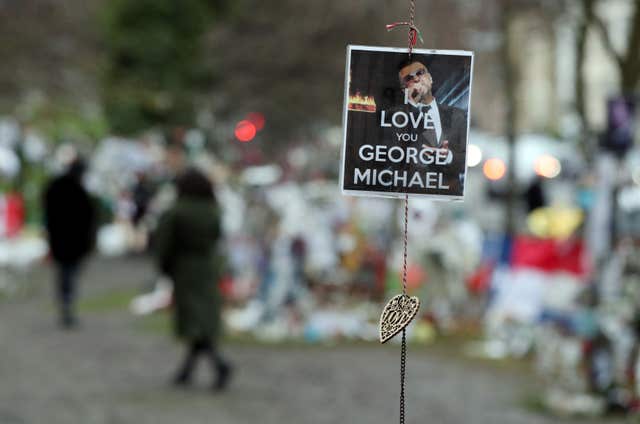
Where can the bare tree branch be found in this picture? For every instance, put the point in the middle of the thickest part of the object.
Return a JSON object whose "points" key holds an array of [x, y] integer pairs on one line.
{"points": [[580, 89], [604, 32], [631, 66]]}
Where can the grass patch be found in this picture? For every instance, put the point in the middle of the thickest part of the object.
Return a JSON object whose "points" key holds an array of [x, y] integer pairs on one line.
{"points": [[115, 300], [534, 402], [157, 323]]}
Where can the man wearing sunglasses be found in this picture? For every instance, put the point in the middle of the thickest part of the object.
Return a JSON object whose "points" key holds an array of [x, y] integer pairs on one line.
{"points": [[447, 125]]}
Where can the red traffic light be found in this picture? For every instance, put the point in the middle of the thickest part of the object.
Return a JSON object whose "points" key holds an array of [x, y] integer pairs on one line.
{"points": [[245, 131]]}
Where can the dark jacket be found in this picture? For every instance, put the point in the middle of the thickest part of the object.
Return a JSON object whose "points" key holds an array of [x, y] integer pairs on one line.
{"points": [[69, 219], [454, 129], [185, 249]]}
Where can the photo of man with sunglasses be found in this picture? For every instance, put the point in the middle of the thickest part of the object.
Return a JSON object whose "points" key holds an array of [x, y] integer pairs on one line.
{"points": [[406, 122], [447, 125]]}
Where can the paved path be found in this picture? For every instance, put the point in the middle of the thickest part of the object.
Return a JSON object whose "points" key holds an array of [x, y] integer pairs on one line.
{"points": [[114, 369]]}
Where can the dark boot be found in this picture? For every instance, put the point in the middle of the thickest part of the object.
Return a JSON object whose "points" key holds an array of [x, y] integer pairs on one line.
{"points": [[185, 373], [182, 378], [67, 317], [223, 377], [222, 369]]}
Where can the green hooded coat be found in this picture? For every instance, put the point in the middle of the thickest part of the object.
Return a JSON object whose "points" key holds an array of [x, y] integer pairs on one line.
{"points": [[186, 250]]}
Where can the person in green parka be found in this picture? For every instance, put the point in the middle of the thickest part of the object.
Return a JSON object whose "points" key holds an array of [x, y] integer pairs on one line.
{"points": [[186, 250]]}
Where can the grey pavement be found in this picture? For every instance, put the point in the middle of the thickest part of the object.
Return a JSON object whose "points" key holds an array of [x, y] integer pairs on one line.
{"points": [[115, 369]]}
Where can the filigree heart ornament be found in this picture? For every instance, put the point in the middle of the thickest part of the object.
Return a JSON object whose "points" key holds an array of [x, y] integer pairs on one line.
{"points": [[397, 314]]}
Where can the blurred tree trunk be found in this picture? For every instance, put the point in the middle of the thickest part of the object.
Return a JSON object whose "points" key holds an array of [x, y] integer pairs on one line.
{"points": [[630, 67], [580, 105], [510, 115], [628, 62]]}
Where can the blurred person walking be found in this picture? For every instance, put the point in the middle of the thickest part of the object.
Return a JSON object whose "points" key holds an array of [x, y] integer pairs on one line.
{"points": [[70, 220], [186, 250], [142, 194]]}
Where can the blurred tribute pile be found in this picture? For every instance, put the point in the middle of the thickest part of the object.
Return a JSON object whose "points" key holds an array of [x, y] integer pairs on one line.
{"points": [[540, 262]]}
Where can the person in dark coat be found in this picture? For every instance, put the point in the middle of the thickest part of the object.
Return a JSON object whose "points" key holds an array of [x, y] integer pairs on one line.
{"points": [[70, 223], [535, 195], [186, 250], [142, 195]]}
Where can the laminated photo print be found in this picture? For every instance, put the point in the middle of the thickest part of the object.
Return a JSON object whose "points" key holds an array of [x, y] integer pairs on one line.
{"points": [[406, 122]]}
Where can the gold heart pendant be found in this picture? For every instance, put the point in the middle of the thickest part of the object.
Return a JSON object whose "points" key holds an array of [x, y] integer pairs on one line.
{"points": [[397, 314]]}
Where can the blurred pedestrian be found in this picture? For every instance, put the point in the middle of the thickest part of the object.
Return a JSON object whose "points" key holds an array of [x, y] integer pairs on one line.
{"points": [[142, 194], [534, 194], [186, 250], [70, 220]]}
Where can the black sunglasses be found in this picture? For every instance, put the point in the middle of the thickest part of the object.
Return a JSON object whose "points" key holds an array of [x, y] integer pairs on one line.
{"points": [[408, 78]]}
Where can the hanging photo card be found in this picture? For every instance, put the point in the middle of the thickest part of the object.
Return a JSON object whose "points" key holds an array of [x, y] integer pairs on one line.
{"points": [[406, 122]]}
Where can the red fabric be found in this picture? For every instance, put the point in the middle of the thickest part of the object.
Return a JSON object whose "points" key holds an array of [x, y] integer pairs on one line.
{"points": [[11, 215], [416, 276], [225, 285], [480, 280], [550, 255]]}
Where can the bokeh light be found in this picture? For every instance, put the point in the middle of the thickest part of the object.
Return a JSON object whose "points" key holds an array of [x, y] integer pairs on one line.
{"points": [[547, 166], [9, 163], [245, 131], [635, 176], [494, 169], [474, 155], [257, 119]]}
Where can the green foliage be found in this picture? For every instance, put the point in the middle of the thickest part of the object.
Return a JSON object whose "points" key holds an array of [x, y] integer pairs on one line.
{"points": [[114, 300], [157, 323], [155, 63], [61, 123], [57, 123], [34, 180]]}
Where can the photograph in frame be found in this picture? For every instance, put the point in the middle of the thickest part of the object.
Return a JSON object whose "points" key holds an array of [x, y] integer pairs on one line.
{"points": [[406, 122]]}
